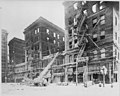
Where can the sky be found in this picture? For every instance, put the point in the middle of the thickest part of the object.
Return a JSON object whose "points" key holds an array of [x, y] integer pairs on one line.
{"points": [[17, 15]]}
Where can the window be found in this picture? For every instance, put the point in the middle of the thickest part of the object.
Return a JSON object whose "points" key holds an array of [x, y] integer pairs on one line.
{"points": [[101, 7], [75, 42], [35, 31], [54, 35], [94, 8], [75, 6], [102, 35], [94, 21], [47, 30], [70, 32], [58, 36], [75, 21], [115, 51], [70, 45], [54, 41], [70, 58], [47, 38], [83, 2], [63, 39], [95, 37], [38, 30], [70, 20], [95, 54], [75, 57], [102, 53], [102, 19], [115, 20], [85, 12], [115, 35]]}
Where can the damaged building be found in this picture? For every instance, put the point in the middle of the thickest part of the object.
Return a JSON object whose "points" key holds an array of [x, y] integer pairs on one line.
{"points": [[42, 39], [16, 57], [92, 40]]}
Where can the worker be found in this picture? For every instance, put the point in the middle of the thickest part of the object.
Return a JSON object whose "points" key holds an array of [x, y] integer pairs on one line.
{"points": [[44, 82]]}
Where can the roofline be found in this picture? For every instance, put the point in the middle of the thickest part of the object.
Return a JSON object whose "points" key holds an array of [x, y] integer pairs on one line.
{"points": [[14, 38], [45, 21]]}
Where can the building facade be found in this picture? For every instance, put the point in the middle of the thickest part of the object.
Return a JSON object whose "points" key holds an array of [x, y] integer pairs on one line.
{"points": [[4, 59], [98, 22], [42, 39], [16, 55]]}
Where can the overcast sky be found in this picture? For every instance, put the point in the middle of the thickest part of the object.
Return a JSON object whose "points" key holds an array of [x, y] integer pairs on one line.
{"points": [[17, 15]]}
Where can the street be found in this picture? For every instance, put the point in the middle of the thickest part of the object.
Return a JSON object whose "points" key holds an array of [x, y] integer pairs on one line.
{"points": [[55, 90]]}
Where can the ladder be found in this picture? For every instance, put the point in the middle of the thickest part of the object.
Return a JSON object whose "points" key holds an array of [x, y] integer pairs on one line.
{"points": [[45, 71]]}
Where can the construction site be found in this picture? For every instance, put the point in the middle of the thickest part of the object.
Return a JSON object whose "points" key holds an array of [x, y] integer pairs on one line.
{"points": [[91, 52]]}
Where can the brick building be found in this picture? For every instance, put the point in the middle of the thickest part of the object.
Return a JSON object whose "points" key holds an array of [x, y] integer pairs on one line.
{"points": [[16, 55], [98, 23], [42, 39], [4, 59]]}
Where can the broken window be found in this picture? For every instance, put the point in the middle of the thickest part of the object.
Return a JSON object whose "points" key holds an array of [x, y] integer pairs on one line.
{"points": [[115, 20], [94, 21], [75, 21], [54, 35], [115, 35], [102, 36], [47, 38], [70, 20], [85, 12], [94, 8], [75, 6], [70, 44], [75, 57], [101, 7], [70, 32], [83, 2], [95, 37], [76, 42], [47, 30], [102, 53], [102, 19]]}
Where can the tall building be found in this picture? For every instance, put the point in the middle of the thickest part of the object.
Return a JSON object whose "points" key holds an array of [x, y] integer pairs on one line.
{"points": [[92, 27], [42, 39], [16, 55], [4, 54]]}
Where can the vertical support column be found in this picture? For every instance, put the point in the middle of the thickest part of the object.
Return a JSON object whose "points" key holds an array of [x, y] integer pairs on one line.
{"points": [[110, 73], [66, 75]]}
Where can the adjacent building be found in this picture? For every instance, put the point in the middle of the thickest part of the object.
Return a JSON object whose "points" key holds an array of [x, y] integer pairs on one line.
{"points": [[42, 39], [16, 55], [4, 59], [97, 22]]}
